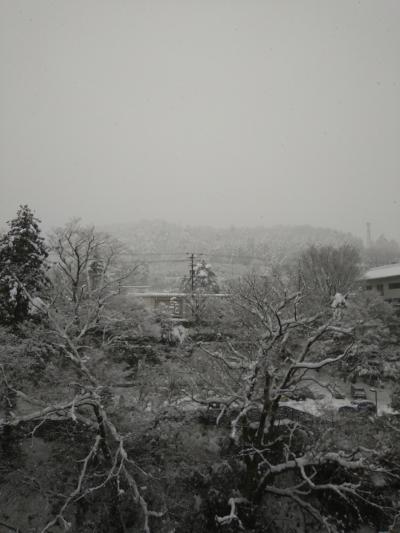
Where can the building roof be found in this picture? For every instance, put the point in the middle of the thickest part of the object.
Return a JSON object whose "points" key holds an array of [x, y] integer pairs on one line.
{"points": [[385, 271]]}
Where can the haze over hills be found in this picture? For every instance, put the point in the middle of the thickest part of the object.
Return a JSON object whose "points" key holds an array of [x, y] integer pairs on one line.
{"points": [[158, 236]]}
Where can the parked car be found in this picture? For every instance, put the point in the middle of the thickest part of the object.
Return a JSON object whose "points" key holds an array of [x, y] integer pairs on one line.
{"points": [[358, 407], [366, 406], [358, 392]]}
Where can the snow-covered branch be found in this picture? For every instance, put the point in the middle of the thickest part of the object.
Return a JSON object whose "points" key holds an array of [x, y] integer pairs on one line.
{"points": [[49, 412], [328, 361], [59, 518], [232, 516]]}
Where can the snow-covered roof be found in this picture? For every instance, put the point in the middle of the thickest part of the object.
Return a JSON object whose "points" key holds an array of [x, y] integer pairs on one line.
{"points": [[386, 271]]}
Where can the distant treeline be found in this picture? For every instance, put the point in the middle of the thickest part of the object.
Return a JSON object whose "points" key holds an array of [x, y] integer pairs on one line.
{"points": [[231, 245]]}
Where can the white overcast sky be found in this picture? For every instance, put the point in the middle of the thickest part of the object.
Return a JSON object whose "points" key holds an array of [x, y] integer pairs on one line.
{"points": [[212, 112]]}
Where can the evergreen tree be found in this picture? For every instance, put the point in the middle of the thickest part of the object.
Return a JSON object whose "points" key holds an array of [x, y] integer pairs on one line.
{"points": [[204, 279], [23, 257]]}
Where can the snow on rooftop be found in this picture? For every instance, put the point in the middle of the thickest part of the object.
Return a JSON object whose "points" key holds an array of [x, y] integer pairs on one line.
{"points": [[386, 271]]}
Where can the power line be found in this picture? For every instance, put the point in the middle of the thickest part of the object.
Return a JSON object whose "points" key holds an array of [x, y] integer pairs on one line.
{"points": [[165, 261], [157, 253], [207, 254]]}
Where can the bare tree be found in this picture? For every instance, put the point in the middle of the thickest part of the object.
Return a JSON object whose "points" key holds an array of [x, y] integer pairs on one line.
{"points": [[86, 274], [87, 406], [326, 270], [287, 345], [88, 269]]}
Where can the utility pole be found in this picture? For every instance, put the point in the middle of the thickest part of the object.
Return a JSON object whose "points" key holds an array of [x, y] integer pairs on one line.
{"points": [[191, 269], [192, 272]]}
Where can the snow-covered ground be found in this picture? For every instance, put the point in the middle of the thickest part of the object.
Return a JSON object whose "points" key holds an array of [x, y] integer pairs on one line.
{"points": [[327, 403]]}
